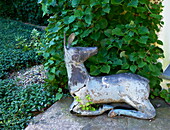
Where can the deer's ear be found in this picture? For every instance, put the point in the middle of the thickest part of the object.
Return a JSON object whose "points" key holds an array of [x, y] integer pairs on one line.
{"points": [[65, 41], [70, 39]]}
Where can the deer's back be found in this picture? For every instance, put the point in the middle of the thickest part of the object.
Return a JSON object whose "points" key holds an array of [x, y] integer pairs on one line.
{"points": [[115, 88]]}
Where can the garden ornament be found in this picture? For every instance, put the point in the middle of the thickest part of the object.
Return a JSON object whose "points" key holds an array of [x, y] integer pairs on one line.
{"points": [[166, 73], [166, 77], [129, 88]]}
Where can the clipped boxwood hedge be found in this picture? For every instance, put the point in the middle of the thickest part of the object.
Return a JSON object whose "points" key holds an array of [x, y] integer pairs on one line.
{"points": [[23, 10], [12, 56], [19, 104]]}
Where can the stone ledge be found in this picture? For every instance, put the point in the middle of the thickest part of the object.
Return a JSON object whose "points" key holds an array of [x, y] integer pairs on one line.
{"points": [[57, 117]]}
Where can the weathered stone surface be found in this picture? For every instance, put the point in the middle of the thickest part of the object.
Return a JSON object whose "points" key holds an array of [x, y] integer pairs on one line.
{"points": [[57, 117]]}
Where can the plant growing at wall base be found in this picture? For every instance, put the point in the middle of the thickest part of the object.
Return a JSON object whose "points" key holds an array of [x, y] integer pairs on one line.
{"points": [[125, 33], [165, 94], [88, 106]]}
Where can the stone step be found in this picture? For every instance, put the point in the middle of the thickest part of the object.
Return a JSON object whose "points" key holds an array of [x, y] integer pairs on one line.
{"points": [[58, 117]]}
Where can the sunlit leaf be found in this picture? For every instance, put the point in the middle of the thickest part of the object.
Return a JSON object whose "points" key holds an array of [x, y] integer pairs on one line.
{"points": [[116, 1]]}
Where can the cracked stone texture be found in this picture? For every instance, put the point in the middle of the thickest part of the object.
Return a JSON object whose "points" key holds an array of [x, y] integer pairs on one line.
{"points": [[57, 117]]}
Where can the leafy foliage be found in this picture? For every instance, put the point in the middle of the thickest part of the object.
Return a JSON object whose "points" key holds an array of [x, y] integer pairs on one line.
{"points": [[125, 32], [24, 10], [18, 104], [12, 56], [88, 106], [165, 94]]}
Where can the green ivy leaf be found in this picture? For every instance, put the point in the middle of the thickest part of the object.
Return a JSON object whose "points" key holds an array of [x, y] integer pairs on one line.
{"points": [[143, 1], [109, 47], [117, 61], [44, 8], [78, 13], [86, 33], [133, 3], [152, 67], [157, 16], [141, 9], [95, 35], [94, 2], [71, 19], [141, 54], [143, 30], [163, 93], [51, 77], [60, 90], [108, 32], [156, 92], [107, 8], [152, 97], [50, 62], [121, 71], [133, 68], [58, 96], [116, 1], [143, 39], [94, 70], [88, 11], [52, 42], [103, 23], [105, 1], [74, 3], [40, 1], [88, 19], [160, 42], [53, 70], [141, 64], [131, 34], [133, 56], [46, 55], [105, 69], [55, 27], [125, 66], [127, 39], [117, 31]]}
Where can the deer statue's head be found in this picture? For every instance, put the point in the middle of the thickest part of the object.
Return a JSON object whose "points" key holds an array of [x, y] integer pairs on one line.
{"points": [[77, 54]]}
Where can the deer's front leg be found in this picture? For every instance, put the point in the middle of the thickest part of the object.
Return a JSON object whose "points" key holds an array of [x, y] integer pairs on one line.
{"points": [[75, 108]]}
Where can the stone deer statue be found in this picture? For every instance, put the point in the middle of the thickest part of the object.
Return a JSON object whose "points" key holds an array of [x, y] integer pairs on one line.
{"points": [[128, 88]]}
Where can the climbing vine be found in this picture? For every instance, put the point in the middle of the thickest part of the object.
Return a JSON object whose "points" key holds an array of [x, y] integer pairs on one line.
{"points": [[125, 32]]}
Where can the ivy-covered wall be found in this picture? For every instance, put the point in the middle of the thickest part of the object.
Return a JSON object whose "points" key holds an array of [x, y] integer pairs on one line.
{"points": [[125, 31]]}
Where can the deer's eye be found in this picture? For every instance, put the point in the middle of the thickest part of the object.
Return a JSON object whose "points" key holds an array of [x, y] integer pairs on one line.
{"points": [[75, 57]]}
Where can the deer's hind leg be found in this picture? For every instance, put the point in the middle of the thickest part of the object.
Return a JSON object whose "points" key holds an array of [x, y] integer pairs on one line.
{"points": [[75, 108], [145, 110]]}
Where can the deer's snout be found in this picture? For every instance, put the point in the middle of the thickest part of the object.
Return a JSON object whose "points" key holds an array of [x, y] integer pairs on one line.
{"points": [[93, 51]]}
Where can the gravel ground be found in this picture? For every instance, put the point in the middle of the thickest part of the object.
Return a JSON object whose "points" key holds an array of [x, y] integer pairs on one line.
{"points": [[33, 75]]}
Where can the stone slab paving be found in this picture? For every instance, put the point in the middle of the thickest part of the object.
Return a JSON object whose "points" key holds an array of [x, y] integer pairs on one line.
{"points": [[57, 117]]}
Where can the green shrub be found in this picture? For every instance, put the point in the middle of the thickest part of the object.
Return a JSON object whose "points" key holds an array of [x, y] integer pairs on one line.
{"points": [[165, 94], [12, 56], [18, 104], [24, 10], [125, 32]]}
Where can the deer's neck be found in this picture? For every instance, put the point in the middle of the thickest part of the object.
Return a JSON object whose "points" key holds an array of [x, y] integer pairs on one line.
{"points": [[77, 76]]}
